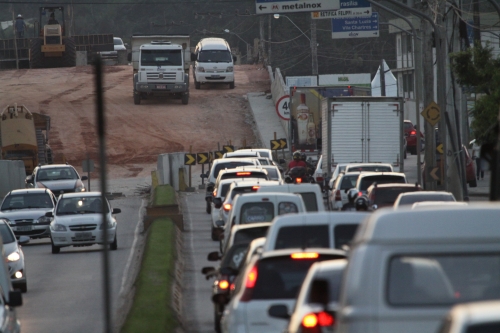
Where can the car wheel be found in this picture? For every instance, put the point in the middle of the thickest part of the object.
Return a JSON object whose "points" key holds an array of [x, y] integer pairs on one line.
{"points": [[214, 234], [113, 246], [209, 208], [55, 249], [137, 99]]}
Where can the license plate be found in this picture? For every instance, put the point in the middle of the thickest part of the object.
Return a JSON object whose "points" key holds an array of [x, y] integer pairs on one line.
{"points": [[83, 235], [25, 228], [161, 86], [256, 218], [215, 76]]}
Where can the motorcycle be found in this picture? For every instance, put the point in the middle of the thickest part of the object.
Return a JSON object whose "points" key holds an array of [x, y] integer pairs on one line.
{"points": [[298, 175]]}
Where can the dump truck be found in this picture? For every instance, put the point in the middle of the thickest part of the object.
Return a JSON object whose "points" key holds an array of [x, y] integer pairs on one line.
{"points": [[164, 62], [24, 136]]}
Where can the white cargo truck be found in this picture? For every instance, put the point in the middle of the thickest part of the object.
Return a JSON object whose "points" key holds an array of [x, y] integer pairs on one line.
{"points": [[161, 66], [362, 129]]}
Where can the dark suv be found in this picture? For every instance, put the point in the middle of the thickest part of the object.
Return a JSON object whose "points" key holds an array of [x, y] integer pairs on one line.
{"points": [[384, 195], [411, 137]]}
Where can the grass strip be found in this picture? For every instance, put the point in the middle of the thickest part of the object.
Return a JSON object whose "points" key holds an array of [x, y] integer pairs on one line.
{"points": [[164, 195], [152, 311]]}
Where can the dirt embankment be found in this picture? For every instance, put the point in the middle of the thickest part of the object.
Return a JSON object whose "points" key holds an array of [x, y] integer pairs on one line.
{"points": [[135, 134]]}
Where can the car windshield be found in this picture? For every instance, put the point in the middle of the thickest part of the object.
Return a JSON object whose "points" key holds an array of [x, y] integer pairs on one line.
{"points": [[343, 234], [117, 41], [382, 179], [80, 205], [7, 234], [50, 174], [161, 57], [27, 200], [273, 173], [443, 280], [215, 56]]}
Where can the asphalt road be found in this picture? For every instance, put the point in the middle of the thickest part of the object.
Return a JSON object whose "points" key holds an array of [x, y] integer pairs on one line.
{"points": [[65, 290]]}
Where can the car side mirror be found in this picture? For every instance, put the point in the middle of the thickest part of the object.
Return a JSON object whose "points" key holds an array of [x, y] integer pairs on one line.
{"points": [[29, 179], [282, 161], [210, 187], [49, 214], [279, 311], [84, 178], [219, 223], [228, 271], [15, 298], [214, 256], [204, 175], [319, 292], [116, 211], [23, 240], [217, 202]]}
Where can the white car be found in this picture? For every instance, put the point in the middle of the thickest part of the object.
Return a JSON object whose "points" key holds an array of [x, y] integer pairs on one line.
{"points": [[78, 221], [338, 192], [14, 256], [118, 45]]}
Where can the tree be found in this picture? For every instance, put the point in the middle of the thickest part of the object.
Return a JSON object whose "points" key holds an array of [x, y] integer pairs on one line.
{"points": [[477, 69]]}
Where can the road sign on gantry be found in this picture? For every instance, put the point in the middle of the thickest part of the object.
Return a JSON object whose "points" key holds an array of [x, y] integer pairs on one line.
{"points": [[357, 27], [342, 13], [287, 6]]}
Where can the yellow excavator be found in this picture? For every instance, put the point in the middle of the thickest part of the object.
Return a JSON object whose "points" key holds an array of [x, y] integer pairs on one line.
{"points": [[52, 48]]}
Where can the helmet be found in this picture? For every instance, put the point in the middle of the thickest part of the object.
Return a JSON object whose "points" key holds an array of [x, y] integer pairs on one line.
{"points": [[296, 155], [19, 15], [352, 194], [361, 203], [303, 156]]}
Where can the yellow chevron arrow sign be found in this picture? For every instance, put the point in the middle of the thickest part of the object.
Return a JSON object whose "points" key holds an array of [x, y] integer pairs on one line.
{"points": [[189, 159], [202, 158]]}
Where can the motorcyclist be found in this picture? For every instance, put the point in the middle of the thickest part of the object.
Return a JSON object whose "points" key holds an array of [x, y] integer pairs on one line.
{"points": [[352, 194], [296, 162], [361, 203]]}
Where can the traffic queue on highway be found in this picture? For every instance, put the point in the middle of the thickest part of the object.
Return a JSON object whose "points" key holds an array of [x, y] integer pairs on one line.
{"points": [[366, 252]]}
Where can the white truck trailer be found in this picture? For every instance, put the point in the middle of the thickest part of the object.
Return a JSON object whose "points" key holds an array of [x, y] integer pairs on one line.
{"points": [[161, 66], [362, 129]]}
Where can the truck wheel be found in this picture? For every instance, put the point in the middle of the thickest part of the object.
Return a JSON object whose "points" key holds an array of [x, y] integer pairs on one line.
{"points": [[69, 55], [231, 85], [36, 53], [137, 99], [197, 85], [185, 99]]}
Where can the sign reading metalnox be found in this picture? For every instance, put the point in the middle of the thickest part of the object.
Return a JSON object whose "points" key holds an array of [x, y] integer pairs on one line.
{"points": [[357, 27], [287, 6]]}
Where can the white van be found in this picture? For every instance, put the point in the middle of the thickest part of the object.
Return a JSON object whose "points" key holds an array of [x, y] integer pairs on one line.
{"points": [[407, 268], [213, 62], [318, 230], [311, 194]]}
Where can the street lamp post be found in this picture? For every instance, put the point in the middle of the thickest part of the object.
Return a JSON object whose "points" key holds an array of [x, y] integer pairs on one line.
{"points": [[248, 45], [312, 43]]}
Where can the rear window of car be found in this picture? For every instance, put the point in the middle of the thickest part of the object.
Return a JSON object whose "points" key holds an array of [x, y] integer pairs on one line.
{"points": [[302, 237], [310, 202], [247, 235], [223, 190], [387, 196], [343, 235], [411, 199], [273, 173], [491, 327], [282, 277], [382, 179], [244, 174], [443, 280], [241, 190], [254, 212], [373, 168], [229, 165], [349, 182]]}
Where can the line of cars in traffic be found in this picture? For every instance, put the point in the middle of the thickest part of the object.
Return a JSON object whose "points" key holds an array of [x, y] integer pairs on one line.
{"points": [[303, 269]]}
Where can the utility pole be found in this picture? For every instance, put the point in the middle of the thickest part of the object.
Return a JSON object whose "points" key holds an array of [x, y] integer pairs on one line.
{"points": [[314, 48], [382, 78], [477, 22], [269, 38], [262, 50]]}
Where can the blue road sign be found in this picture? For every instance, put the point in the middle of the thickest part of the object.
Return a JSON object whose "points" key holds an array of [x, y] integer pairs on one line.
{"points": [[356, 27]]}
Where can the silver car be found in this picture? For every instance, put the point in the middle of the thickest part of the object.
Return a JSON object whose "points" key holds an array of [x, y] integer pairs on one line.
{"points": [[14, 256], [25, 209], [59, 178]]}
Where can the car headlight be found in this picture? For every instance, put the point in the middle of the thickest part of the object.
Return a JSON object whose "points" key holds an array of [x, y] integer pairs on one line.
{"points": [[14, 256], [80, 188], [229, 69], [109, 225], [57, 227], [44, 219], [200, 69]]}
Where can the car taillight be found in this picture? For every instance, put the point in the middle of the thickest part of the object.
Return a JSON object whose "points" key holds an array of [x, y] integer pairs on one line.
{"points": [[255, 188], [298, 180], [227, 207], [413, 132], [250, 282], [305, 255], [243, 174], [338, 197], [313, 322]]}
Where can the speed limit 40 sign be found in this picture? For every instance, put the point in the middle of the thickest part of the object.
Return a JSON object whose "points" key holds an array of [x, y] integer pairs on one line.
{"points": [[283, 107]]}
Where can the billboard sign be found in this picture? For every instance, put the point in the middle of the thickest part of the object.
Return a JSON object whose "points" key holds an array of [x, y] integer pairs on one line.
{"points": [[357, 27]]}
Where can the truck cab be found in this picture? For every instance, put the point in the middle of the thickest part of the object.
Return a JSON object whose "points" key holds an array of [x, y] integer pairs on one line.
{"points": [[161, 72]]}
